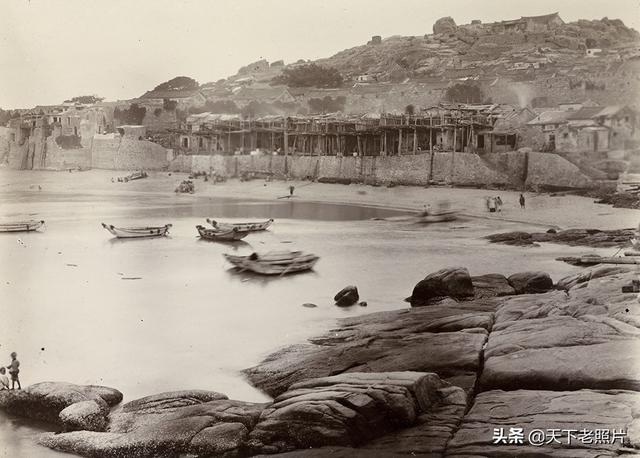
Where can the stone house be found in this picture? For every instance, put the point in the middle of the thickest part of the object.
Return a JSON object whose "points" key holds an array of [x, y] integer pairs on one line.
{"points": [[548, 123]]}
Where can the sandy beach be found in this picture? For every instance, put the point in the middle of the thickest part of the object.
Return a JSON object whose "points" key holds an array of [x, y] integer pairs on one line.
{"points": [[560, 210]]}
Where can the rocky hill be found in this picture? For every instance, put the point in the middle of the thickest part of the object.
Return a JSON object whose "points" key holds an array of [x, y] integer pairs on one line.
{"points": [[538, 61]]}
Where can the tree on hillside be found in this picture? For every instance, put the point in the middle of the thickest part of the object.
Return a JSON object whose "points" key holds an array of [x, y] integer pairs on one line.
{"points": [[179, 83], [464, 93], [309, 75], [85, 99], [409, 110], [131, 116], [327, 104]]}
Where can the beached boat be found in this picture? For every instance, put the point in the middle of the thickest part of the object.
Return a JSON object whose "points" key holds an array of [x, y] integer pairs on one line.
{"points": [[438, 217], [250, 227], [274, 262], [137, 232], [221, 234], [21, 226]]}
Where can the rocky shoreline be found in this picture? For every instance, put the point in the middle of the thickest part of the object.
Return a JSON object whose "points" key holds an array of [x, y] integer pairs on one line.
{"points": [[594, 238], [479, 354]]}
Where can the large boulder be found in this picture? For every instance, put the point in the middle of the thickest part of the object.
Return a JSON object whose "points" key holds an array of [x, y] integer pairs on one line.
{"points": [[181, 422], [44, 401], [445, 339], [84, 415], [531, 282], [347, 409], [347, 296], [452, 282], [445, 25], [491, 285]]}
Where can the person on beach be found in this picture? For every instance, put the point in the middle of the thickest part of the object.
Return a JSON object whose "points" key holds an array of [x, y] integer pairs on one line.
{"points": [[291, 189], [4, 381], [492, 205], [522, 202], [499, 204], [14, 370]]}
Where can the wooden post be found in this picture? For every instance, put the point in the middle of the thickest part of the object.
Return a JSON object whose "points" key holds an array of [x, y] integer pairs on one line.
{"points": [[359, 146], [399, 142], [384, 148], [286, 137], [415, 140], [431, 135]]}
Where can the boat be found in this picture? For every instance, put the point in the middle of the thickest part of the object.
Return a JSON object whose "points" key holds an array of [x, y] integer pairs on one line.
{"points": [[249, 227], [226, 235], [438, 217], [133, 176], [274, 262], [137, 232], [635, 243], [21, 226]]}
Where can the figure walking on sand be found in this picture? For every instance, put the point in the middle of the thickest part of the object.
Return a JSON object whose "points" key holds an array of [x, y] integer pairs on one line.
{"points": [[291, 189], [14, 370], [522, 202], [498, 203]]}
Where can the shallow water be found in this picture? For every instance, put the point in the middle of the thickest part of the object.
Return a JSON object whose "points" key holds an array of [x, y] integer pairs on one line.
{"points": [[189, 321]]}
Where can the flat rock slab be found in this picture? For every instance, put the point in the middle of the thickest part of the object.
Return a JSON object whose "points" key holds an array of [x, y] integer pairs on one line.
{"points": [[45, 401], [194, 421], [352, 409], [444, 339], [551, 412], [491, 285], [586, 337], [574, 237]]}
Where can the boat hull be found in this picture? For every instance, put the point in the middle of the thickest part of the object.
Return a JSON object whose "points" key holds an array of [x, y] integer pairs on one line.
{"points": [[229, 235], [273, 265], [248, 227], [21, 226], [137, 232], [438, 218]]}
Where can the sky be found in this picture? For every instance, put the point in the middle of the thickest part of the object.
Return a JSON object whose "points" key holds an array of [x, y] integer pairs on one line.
{"points": [[52, 50]]}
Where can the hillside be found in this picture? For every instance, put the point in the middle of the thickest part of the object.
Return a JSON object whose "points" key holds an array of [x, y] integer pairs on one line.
{"points": [[536, 61]]}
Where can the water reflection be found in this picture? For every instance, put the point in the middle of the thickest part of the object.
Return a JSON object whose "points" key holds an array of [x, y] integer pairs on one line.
{"points": [[236, 274]]}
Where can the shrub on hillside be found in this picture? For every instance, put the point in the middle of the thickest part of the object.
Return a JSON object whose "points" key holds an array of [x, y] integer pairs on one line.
{"points": [[309, 75]]}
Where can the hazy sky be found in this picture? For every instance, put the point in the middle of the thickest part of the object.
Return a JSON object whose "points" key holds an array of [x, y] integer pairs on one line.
{"points": [[51, 50]]}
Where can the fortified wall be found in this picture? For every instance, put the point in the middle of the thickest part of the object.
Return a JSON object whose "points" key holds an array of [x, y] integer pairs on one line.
{"points": [[110, 151], [508, 170]]}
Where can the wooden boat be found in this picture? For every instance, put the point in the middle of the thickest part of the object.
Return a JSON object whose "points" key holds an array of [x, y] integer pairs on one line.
{"points": [[137, 232], [21, 226], [438, 217], [133, 176], [274, 262], [249, 227], [221, 234]]}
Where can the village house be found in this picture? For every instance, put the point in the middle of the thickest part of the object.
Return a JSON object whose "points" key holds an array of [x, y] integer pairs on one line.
{"points": [[510, 131], [532, 24], [591, 130]]}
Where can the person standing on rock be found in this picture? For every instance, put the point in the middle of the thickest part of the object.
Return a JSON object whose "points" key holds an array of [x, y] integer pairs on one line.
{"points": [[4, 381], [522, 202], [14, 370]]}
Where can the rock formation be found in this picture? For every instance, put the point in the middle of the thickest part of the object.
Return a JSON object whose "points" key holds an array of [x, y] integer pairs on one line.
{"points": [[595, 238], [445, 25], [399, 383]]}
